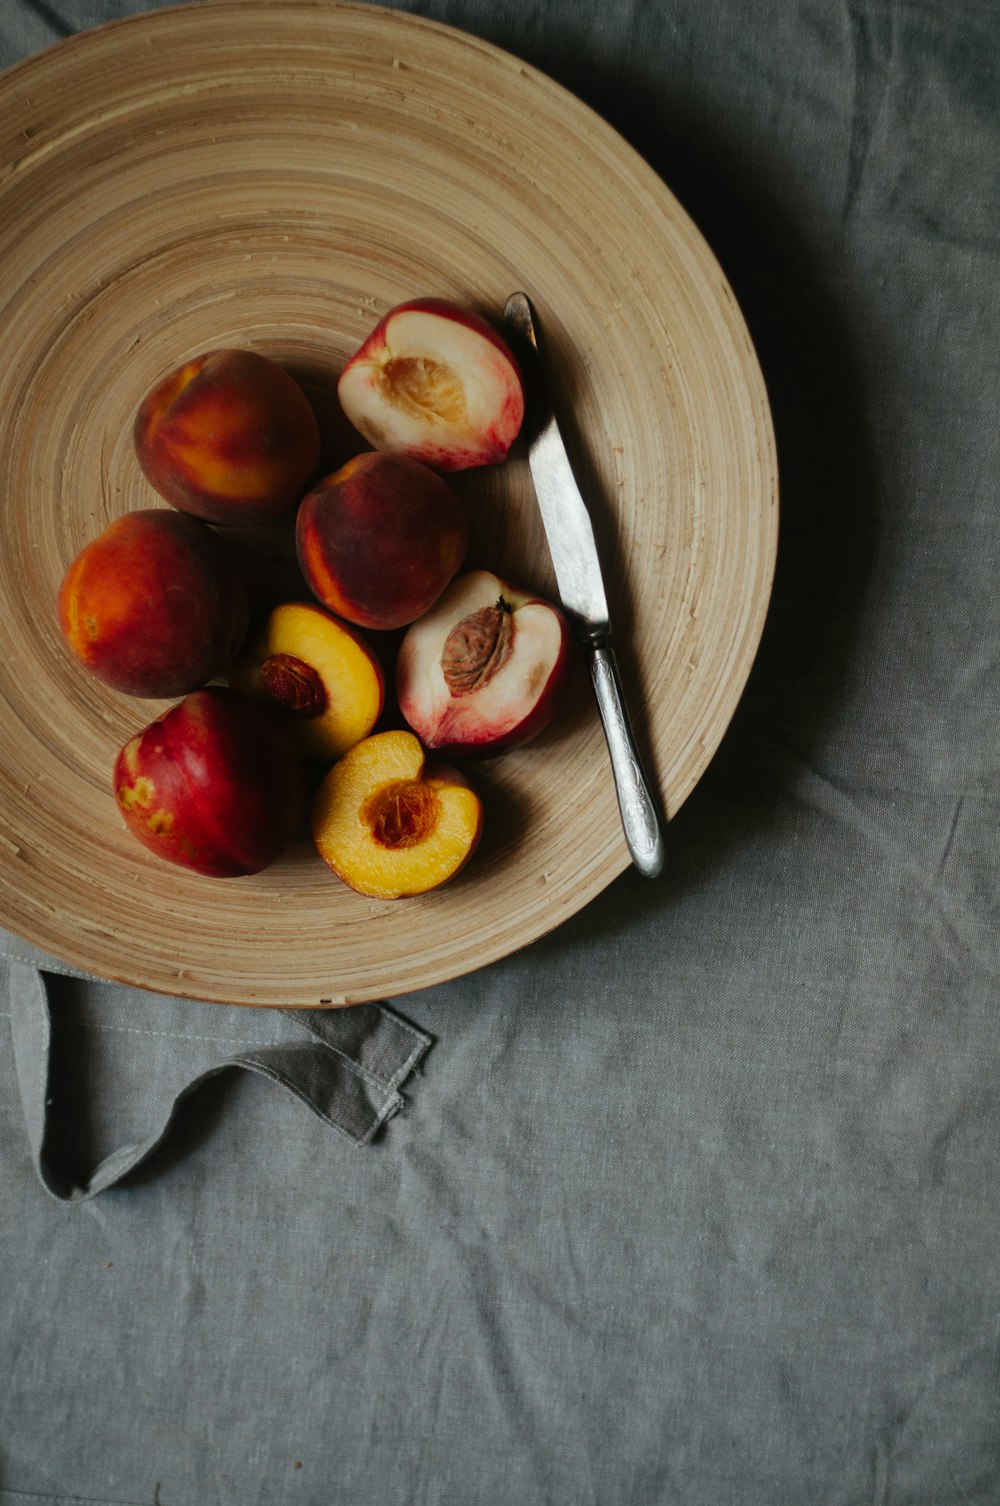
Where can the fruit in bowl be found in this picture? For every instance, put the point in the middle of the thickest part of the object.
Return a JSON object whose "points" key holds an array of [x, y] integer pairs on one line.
{"points": [[318, 673], [228, 436], [153, 606], [389, 824], [215, 784], [379, 540], [436, 382], [483, 671]]}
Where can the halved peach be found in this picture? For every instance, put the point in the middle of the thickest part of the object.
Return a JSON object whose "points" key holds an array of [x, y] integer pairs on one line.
{"points": [[485, 668], [320, 674], [435, 381], [389, 825]]}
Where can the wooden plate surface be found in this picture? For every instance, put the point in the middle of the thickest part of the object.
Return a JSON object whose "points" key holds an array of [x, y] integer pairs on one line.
{"points": [[277, 176]]}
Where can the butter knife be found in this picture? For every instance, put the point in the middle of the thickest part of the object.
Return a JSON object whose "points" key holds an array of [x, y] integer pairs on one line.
{"points": [[572, 547]]}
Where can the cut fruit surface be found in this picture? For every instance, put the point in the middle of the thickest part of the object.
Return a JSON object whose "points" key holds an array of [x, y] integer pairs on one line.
{"points": [[436, 382], [483, 670], [318, 673], [388, 825]]}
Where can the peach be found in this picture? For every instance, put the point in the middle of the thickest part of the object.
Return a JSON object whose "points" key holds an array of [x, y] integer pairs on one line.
{"points": [[318, 673], [389, 825], [214, 784], [438, 383], [484, 669], [228, 436], [380, 539], [153, 606]]}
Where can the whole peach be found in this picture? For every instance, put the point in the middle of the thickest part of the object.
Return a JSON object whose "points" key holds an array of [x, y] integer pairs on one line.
{"points": [[153, 606], [214, 784], [229, 436], [380, 539]]}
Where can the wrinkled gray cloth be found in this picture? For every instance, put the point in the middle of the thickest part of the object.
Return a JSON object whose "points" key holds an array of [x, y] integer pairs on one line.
{"points": [[697, 1202], [78, 1042]]}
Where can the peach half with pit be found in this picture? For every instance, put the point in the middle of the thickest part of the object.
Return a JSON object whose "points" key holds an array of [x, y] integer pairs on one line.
{"points": [[435, 381], [154, 605], [318, 673], [214, 784], [483, 671], [390, 824], [379, 540], [229, 436]]}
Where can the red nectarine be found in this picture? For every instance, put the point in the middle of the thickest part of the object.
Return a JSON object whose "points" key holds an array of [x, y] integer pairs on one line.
{"points": [[214, 784], [484, 669]]}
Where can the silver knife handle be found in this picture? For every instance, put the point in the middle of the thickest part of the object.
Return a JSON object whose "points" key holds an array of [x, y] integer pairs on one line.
{"points": [[643, 828]]}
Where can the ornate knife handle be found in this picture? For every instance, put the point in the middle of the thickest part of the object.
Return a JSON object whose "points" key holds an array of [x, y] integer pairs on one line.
{"points": [[640, 820]]}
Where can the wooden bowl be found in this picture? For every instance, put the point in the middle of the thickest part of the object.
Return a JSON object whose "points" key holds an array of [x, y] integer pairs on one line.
{"points": [[276, 176]]}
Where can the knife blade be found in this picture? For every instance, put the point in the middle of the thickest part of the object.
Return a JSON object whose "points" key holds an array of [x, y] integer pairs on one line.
{"points": [[573, 549]]}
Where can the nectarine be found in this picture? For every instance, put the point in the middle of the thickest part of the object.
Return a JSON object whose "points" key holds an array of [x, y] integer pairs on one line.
{"points": [[484, 669], [229, 436], [318, 673], [214, 784], [153, 606], [380, 539]]}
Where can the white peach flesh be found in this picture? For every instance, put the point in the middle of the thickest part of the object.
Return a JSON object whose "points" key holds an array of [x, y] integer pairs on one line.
{"points": [[430, 383]]}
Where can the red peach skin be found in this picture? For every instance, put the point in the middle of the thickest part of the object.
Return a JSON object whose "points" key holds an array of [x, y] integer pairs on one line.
{"points": [[154, 606], [229, 436], [380, 539], [214, 785]]}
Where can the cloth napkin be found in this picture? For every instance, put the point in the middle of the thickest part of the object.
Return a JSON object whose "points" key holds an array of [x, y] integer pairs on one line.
{"points": [[103, 1070]]}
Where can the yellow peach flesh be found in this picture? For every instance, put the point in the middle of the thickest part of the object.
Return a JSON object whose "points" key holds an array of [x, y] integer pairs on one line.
{"points": [[387, 831], [351, 683]]}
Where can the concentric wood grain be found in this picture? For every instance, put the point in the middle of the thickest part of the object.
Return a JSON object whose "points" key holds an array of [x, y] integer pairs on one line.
{"points": [[277, 176]]}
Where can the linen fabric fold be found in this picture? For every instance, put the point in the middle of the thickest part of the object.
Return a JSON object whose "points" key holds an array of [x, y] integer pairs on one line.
{"points": [[103, 1073]]}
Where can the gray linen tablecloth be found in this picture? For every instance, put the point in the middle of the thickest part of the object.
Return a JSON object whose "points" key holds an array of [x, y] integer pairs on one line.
{"points": [[697, 1201]]}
